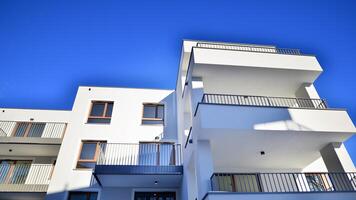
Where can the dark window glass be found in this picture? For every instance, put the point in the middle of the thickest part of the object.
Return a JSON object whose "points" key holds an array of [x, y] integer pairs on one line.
{"points": [[83, 196], [88, 151], [153, 114], [97, 109], [21, 129], [109, 110], [149, 111], [14, 172], [101, 112], [36, 130], [99, 120], [160, 112]]}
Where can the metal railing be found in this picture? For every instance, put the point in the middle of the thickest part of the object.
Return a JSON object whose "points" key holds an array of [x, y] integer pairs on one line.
{"points": [[246, 100], [284, 182], [25, 177], [188, 140], [142, 154], [249, 48], [32, 129]]}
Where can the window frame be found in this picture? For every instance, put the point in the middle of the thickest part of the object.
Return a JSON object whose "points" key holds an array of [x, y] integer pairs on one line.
{"points": [[156, 112], [28, 128], [103, 116], [95, 159]]}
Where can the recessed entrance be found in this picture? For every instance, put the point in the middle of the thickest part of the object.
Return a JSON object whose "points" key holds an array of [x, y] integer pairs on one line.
{"points": [[155, 196]]}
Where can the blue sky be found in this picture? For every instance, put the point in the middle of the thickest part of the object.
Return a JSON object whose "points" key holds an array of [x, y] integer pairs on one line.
{"points": [[49, 48]]}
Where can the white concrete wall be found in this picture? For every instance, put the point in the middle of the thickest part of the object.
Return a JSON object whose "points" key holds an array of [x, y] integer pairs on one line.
{"points": [[255, 59], [25, 115], [266, 118], [125, 127]]}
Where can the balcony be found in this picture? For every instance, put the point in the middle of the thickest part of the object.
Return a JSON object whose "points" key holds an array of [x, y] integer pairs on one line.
{"points": [[271, 113], [159, 163], [282, 186], [44, 138], [25, 177]]}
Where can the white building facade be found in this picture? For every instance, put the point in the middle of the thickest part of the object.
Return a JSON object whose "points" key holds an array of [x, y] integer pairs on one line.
{"points": [[245, 122]]}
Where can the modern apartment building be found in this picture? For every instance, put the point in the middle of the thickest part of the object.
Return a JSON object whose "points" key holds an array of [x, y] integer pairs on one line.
{"points": [[245, 122]]}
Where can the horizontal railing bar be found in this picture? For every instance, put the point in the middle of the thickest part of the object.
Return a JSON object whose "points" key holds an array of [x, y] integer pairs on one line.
{"points": [[265, 101], [19, 121], [136, 154], [25, 174], [261, 96], [32, 129], [284, 182], [249, 48]]}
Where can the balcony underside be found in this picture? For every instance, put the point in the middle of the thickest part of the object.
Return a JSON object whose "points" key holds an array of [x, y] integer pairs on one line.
{"points": [[288, 150], [138, 176], [281, 196], [20, 147], [239, 117]]}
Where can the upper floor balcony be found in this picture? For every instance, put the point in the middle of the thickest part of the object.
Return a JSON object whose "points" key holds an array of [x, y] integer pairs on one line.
{"points": [[24, 178], [247, 69], [245, 112], [159, 162], [44, 138]]}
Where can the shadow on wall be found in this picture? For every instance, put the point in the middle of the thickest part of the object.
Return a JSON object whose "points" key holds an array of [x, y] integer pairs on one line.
{"points": [[169, 121], [64, 195], [247, 117]]}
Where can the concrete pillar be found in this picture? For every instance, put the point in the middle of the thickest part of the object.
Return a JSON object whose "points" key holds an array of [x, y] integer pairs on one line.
{"points": [[337, 159], [204, 167]]}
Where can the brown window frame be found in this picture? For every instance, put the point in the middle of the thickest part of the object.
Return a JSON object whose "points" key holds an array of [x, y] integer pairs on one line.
{"points": [[156, 111], [103, 116], [28, 128], [95, 159]]}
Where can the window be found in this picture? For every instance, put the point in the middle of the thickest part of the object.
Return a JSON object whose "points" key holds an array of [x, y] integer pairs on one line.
{"points": [[83, 195], [236, 183], [100, 112], [28, 129], [14, 171], [156, 153], [317, 182], [153, 113], [89, 153]]}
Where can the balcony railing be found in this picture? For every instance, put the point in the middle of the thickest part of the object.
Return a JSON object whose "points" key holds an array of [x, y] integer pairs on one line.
{"points": [[25, 177], [32, 129], [249, 48], [245, 100], [284, 182], [142, 154]]}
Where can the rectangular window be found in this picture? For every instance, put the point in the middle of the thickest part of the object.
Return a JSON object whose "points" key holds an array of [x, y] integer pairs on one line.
{"points": [[317, 182], [89, 153], [100, 112], [29, 129], [153, 113], [156, 154], [14, 171], [83, 196]]}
